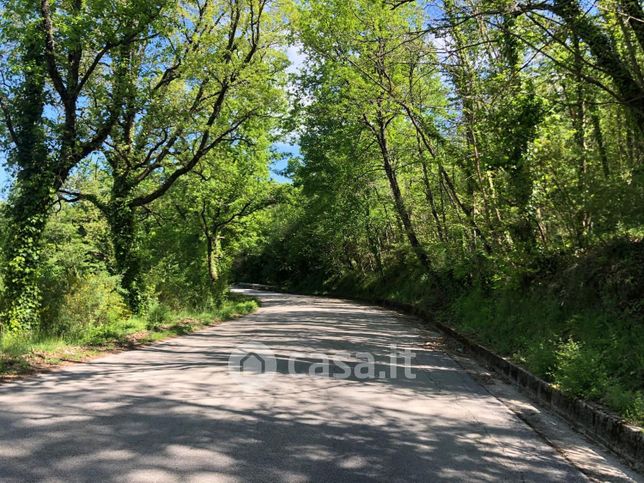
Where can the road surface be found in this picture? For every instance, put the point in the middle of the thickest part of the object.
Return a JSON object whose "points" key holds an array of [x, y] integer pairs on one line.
{"points": [[178, 411]]}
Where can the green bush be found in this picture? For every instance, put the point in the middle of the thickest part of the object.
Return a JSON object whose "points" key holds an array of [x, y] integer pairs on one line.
{"points": [[634, 407], [14, 344], [156, 315], [93, 302], [540, 357], [580, 370]]}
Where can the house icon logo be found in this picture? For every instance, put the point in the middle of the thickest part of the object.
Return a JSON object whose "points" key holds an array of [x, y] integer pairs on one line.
{"points": [[253, 363]]}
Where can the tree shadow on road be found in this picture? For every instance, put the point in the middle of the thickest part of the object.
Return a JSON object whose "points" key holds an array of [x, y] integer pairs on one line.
{"points": [[173, 412]]}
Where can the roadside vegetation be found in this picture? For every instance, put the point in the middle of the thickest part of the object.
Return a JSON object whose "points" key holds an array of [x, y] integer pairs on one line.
{"points": [[482, 159], [22, 354]]}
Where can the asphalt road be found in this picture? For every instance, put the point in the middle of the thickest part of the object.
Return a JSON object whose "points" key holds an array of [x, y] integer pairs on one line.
{"points": [[177, 411]]}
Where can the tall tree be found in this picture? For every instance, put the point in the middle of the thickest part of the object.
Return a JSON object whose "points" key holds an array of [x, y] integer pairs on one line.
{"points": [[367, 47], [61, 95], [214, 71]]}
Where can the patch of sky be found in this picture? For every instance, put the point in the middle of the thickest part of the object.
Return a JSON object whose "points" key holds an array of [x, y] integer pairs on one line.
{"points": [[5, 176], [284, 152], [288, 148]]}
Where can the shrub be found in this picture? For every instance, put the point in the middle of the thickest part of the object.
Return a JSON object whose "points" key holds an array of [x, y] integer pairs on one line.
{"points": [[14, 344], [94, 301], [157, 314], [579, 370], [635, 409], [540, 357]]}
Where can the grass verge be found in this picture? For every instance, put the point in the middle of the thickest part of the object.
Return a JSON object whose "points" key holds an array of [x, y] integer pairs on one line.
{"points": [[28, 354]]}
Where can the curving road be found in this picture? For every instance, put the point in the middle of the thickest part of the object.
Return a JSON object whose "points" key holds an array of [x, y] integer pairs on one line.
{"points": [[175, 411]]}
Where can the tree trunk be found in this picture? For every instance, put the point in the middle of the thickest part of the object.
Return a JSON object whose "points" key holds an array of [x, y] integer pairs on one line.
{"points": [[121, 218], [213, 273], [30, 201], [213, 246], [399, 203], [631, 94], [373, 241], [28, 212], [429, 194], [579, 122], [211, 232], [635, 12], [421, 131], [466, 211], [599, 139], [521, 186]]}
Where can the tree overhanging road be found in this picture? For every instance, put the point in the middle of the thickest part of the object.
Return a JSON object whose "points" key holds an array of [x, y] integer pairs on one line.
{"points": [[175, 412]]}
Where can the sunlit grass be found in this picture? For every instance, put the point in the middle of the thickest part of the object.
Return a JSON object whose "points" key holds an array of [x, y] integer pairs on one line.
{"points": [[26, 353]]}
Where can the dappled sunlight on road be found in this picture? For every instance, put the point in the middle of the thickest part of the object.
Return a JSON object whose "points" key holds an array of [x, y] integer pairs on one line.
{"points": [[173, 412]]}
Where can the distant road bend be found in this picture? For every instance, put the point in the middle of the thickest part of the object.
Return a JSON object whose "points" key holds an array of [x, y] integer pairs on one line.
{"points": [[175, 411]]}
